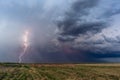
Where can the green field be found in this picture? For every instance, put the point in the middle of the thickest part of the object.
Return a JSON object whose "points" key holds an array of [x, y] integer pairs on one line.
{"points": [[59, 71]]}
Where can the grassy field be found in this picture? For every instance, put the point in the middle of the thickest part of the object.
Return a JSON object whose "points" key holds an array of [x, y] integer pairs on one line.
{"points": [[59, 71]]}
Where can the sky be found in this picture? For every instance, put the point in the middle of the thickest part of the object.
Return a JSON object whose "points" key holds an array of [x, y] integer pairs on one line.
{"points": [[65, 31]]}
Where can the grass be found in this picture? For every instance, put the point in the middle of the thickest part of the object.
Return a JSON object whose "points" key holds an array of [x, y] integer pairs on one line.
{"points": [[59, 71]]}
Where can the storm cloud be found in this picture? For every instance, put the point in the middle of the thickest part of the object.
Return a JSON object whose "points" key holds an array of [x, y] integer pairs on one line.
{"points": [[73, 24], [91, 28], [68, 31]]}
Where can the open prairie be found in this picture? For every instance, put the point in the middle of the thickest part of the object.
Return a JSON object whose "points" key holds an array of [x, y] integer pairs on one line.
{"points": [[59, 71]]}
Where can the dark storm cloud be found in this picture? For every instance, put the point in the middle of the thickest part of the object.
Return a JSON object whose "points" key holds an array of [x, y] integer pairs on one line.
{"points": [[73, 24], [82, 28], [79, 22], [76, 21]]}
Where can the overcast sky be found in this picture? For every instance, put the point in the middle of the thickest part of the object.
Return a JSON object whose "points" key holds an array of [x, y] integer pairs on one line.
{"points": [[60, 31]]}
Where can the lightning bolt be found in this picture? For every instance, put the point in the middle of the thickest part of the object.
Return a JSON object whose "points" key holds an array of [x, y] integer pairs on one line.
{"points": [[25, 44]]}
